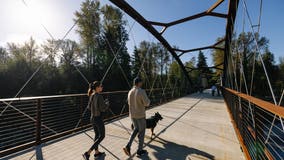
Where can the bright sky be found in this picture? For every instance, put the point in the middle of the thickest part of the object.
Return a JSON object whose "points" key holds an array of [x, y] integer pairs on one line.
{"points": [[18, 22]]}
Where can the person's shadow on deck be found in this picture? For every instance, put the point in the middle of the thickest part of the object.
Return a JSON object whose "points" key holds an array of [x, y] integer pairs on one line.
{"points": [[38, 152], [37, 155], [172, 151], [102, 157]]}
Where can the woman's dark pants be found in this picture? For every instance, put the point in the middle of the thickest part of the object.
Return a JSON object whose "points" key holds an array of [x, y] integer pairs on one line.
{"points": [[99, 129]]}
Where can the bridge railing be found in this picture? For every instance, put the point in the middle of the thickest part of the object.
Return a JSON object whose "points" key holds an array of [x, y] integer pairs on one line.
{"points": [[259, 125], [29, 121]]}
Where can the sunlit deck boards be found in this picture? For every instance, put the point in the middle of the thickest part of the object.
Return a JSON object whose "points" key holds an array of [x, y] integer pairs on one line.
{"points": [[194, 127]]}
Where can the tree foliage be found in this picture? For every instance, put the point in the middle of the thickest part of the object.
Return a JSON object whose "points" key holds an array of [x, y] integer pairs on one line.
{"points": [[64, 66], [250, 73]]}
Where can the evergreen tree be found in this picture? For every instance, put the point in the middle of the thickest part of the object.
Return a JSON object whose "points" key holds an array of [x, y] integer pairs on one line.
{"points": [[136, 63], [89, 29], [201, 63], [114, 41], [162, 58]]}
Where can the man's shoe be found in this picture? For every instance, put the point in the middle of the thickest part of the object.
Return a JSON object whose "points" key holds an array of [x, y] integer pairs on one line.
{"points": [[86, 156], [127, 150], [141, 153]]}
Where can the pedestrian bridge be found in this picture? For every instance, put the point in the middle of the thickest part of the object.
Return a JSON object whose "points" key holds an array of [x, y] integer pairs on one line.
{"points": [[199, 126], [195, 127]]}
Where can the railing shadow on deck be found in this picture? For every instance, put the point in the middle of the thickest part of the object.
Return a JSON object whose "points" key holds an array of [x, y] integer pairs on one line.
{"points": [[39, 156], [42, 120], [184, 149], [171, 150], [38, 148]]}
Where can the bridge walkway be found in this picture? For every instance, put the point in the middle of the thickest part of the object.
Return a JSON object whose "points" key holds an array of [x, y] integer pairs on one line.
{"points": [[195, 127]]}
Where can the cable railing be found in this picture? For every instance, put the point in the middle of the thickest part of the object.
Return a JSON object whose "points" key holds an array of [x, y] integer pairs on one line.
{"points": [[41, 119], [263, 139]]}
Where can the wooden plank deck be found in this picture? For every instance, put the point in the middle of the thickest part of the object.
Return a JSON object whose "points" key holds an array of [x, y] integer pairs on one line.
{"points": [[195, 127]]}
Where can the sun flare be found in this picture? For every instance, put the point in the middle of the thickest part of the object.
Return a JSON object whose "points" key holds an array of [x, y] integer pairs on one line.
{"points": [[29, 17]]}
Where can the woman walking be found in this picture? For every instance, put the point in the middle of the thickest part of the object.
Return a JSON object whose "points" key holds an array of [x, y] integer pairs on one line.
{"points": [[96, 105]]}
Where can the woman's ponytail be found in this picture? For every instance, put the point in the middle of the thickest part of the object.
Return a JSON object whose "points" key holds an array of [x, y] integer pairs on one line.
{"points": [[90, 90], [92, 87]]}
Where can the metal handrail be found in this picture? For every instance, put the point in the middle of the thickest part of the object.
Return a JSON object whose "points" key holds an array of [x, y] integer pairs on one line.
{"points": [[68, 95], [275, 109], [45, 118], [262, 139]]}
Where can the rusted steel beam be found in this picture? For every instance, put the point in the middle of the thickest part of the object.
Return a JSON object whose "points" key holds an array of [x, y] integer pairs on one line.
{"points": [[214, 67], [215, 5], [214, 46], [198, 15], [232, 11], [197, 49], [140, 19], [216, 14], [158, 23], [208, 12], [219, 42]]}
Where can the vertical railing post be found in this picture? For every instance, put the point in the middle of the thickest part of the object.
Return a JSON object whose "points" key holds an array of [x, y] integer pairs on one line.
{"points": [[257, 144], [38, 122], [81, 109], [81, 105]]}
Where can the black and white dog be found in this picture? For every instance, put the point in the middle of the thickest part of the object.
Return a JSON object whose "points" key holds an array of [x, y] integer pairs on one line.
{"points": [[151, 122]]}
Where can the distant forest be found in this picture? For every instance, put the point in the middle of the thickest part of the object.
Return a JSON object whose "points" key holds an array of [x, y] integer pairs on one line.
{"points": [[65, 66], [244, 57]]}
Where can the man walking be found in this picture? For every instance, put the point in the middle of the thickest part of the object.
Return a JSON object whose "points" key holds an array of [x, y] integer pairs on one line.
{"points": [[137, 101]]}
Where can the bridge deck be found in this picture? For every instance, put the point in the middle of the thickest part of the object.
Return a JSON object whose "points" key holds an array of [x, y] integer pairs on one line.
{"points": [[194, 127]]}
